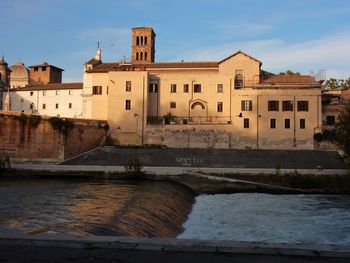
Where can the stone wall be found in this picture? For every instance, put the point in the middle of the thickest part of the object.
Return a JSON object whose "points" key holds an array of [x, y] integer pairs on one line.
{"points": [[23, 141]]}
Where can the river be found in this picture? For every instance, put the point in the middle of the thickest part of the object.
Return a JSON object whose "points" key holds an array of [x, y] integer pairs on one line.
{"points": [[161, 209]]}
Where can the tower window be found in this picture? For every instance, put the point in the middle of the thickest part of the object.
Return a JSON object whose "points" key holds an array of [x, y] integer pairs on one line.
{"points": [[137, 41], [43, 69], [145, 40], [141, 55], [145, 55], [137, 55], [141, 41], [35, 68]]}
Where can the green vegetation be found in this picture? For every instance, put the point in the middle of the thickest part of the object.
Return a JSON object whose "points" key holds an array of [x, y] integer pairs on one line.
{"points": [[5, 163], [338, 83], [34, 120], [58, 123], [134, 166], [289, 72], [342, 131]]}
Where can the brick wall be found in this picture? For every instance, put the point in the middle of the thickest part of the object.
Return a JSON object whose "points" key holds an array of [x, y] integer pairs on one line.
{"points": [[24, 142]]}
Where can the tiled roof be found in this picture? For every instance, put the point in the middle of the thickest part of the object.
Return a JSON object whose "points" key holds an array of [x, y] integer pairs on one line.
{"points": [[241, 52], [54, 86], [290, 79], [210, 64], [45, 64]]}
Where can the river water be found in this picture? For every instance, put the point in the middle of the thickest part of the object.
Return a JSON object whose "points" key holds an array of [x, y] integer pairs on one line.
{"points": [[160, 209], [309, 219]]}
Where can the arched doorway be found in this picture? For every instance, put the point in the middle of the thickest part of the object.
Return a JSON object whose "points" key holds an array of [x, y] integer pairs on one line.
{"points": [[199, 111]]}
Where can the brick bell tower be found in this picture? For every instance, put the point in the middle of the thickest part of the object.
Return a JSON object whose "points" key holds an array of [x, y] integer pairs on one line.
{"points": [[143, 39]]}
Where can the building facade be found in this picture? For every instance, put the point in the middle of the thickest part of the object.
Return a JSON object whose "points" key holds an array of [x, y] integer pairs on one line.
{"points": [[230, 103]]}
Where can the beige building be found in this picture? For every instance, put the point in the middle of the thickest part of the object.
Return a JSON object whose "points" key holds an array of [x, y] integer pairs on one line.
{"points": [[230, 103]]}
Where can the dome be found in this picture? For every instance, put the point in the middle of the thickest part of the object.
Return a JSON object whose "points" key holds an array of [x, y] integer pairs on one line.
{"points": [[19, 71]]}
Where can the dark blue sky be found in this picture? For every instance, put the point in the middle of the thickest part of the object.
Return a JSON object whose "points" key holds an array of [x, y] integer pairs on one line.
{"points": [[301, 35]]}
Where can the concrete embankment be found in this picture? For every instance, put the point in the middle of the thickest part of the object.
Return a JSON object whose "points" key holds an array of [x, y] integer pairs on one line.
{"points": [[48, 249], [200, 180]]}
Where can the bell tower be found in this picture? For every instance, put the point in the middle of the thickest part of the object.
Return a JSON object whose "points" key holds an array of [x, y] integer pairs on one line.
{"points": [[143, 40]]}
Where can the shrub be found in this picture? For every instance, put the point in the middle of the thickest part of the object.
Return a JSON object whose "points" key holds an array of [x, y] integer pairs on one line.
{"points": [[134, 165], [58, 123], [34, 120]]}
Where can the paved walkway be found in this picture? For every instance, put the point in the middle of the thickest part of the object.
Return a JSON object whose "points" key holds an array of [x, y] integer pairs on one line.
{"points": [[175, 170], [48, 249]]}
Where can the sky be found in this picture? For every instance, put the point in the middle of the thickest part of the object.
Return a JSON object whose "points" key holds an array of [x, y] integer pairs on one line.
{"points": [[300, 35]]}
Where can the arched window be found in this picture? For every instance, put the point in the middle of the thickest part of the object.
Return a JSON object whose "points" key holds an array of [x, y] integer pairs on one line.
{"points": [[199, 104], [137, 41], [141, 41], [137, 55], [238, 81], [145, 40], [141, 56], [145, 55]]}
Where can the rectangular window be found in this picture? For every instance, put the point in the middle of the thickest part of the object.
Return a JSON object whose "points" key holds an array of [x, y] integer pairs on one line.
{"points": [[197, 88], [70, 92], [186, 88], [287, 105], [97, 90], [70, 105], [287, 123], [302, 123], [273, 123], [303, 105], [330, 120], [273, 105], [44, 106], [246, 123], [56, 105], [43, 69], [35, 68], [246, 105], [220, 88], [44, 92], [173, 105], [57, 92], [128, 86], [153, 88], [31, 93], [220, 107], [173, 88], [128, 105]]}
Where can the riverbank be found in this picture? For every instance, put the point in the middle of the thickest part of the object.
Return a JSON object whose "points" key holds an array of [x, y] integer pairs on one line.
{"points": [[207, 180], [125, 249]]}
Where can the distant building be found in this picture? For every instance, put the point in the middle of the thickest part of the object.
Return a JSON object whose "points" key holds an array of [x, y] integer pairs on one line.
{"points": [[230, 103], [19, 76], [45, 74]]}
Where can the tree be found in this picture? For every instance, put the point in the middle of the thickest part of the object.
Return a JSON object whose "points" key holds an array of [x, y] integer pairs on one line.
{"points": [[290, 72], [342, 131], [333, 83]]}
